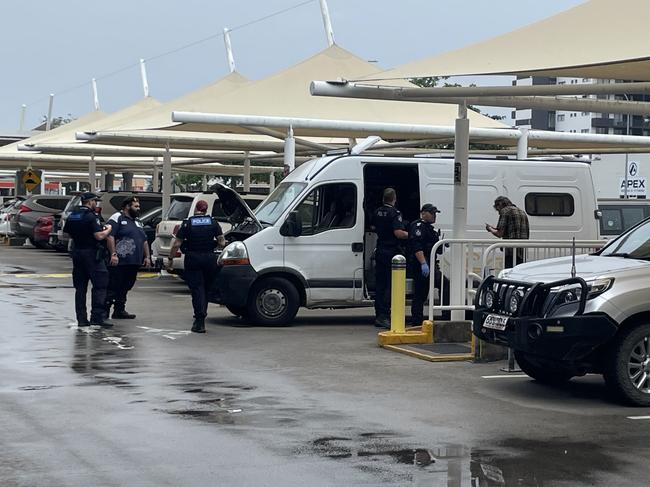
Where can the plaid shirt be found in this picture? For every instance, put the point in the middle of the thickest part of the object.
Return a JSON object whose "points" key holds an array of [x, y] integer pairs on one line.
{"points": [[514, 223]]}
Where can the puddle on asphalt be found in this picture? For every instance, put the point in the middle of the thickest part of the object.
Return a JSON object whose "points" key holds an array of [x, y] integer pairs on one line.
{"points": [[510, 462]]}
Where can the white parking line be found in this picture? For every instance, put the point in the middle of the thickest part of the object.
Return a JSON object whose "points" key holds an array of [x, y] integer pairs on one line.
{"points": [[503, 376], [638, 417]]}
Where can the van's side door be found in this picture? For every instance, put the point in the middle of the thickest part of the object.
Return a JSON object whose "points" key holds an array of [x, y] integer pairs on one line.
{"points": [[329, 253]]}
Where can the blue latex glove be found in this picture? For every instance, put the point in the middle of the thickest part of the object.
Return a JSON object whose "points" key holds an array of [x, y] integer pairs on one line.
{"points": [[425, 269]]}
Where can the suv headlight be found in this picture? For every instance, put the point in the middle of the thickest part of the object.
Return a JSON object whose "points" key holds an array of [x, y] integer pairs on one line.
{"points": [[234, 254], [599, 286]]}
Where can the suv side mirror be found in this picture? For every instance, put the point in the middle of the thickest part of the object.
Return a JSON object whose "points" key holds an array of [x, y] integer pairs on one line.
{"points": [[292, 226]]}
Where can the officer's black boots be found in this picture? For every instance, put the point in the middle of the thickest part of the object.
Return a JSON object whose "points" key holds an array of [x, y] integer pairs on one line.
{"points": [[83, 322], [382, 322], [121, 314], [199, 325], [102, 323]]}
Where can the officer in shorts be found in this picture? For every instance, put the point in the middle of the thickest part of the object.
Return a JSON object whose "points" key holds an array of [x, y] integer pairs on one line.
{"points": [[197, 238]]}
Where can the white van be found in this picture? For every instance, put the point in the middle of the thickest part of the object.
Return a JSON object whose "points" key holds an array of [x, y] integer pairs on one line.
{"points": [[311, 244], [182, 206]]}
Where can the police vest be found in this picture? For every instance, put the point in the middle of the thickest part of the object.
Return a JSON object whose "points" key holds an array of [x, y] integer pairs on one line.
{"points": [[201, 232]]}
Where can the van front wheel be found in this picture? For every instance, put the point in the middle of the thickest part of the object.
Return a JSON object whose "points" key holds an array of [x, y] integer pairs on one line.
{"points": [[273, 301]]}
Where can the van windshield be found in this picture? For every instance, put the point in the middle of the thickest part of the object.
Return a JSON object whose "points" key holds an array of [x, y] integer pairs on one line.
{"points": [[634, 244], [275, 205], [179, 208]]}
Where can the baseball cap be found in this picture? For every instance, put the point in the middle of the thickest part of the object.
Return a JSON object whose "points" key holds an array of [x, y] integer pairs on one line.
{"points": [[428, 207], [88, 196], [201, 205]]}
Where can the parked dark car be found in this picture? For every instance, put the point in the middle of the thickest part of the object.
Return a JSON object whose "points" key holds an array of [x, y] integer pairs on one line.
{"points": [[35, 207], [150, 220]]}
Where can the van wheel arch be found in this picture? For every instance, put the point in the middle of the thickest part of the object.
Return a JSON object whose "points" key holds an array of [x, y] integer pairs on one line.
{"points": [[294, 279]]}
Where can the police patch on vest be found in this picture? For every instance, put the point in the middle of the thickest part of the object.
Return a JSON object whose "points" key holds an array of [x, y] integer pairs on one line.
{"points": [[74, 216], [202, 220]]}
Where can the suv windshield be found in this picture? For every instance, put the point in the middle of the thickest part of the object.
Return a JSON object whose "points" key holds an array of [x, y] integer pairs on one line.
{"points": [[272, 208], [634, 244], [179, 208]]}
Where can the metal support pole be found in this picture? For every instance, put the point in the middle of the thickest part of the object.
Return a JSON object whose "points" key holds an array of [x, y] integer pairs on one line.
{"points": [[23, 109], [166, 180], [271, 182], [289, 152], [48, 122], [627, 154], [95, 95], [204, 183], [92, 173], [522, 144], [155, 176], [231, 58], [127, 181], [461, 167], [327, 22], [247, 174], [398, 294], [143, 75], [109, 179]]}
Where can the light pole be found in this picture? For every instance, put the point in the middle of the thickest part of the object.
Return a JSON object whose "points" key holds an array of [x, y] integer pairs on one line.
{"points": [[627, 154]]}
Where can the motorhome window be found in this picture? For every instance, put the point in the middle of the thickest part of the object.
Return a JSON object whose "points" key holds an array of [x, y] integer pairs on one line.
{"points": [[275, 205], [329, 207], [179, 209], [549, 204]]}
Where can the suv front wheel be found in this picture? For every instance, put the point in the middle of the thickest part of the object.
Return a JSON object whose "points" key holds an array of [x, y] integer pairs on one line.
{"points": [[273, 301], [628, 366], [540, 371]]}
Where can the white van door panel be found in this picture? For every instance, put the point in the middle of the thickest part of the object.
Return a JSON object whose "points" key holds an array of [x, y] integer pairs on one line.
{"points": [[329, 254]]}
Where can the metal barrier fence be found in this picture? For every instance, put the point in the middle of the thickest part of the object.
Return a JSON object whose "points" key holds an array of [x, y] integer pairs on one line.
{"points": [[466, 262]]}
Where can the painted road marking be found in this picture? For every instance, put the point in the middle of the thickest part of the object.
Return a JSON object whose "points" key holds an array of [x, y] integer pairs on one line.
{"points": [[502, 376], [638, 417], [141, 275]]}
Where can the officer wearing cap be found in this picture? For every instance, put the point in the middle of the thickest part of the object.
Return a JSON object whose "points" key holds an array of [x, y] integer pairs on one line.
{"points": [[88, 260], [389, 226], [422, 238], [197, 238]]}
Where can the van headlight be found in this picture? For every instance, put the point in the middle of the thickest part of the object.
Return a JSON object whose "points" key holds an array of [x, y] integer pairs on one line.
{"points": [[234, 254]]}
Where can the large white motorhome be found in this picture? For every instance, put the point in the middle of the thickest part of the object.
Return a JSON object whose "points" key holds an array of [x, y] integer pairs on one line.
{"points": [[309, 243]]}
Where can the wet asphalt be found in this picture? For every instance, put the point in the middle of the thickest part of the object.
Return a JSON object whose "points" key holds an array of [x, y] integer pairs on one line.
{"points": [[149, 404]]}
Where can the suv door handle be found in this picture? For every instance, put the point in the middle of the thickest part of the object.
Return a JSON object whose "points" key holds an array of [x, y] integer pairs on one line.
{"points": [[357, 247]]}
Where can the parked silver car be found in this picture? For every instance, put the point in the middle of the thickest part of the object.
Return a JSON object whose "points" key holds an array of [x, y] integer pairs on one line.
{"points": [[562, 326], [35, 207]]}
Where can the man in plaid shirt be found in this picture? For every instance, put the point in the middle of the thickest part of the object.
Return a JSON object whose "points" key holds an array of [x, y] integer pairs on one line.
{"points": [[513, 224]]}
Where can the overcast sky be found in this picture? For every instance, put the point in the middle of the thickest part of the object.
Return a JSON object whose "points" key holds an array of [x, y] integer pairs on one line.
{"points": [[53, 46]]}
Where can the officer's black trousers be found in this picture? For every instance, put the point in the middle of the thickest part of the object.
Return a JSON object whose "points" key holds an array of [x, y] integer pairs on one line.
{"points": [[121, 280], [199, 274], [421, 286], [383, 259], [86, 267]]}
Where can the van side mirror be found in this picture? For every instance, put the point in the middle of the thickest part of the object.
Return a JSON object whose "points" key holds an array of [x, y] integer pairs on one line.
{"points": [[292, 226]]}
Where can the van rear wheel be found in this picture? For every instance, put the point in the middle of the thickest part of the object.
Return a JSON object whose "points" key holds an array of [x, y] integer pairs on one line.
{"points": [[273, 301], [628, 366]]}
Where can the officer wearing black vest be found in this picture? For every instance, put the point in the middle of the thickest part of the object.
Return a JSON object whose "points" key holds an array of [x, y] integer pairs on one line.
{"points": [[197, 238], [388, 224], [88, 260], [422, 238]]}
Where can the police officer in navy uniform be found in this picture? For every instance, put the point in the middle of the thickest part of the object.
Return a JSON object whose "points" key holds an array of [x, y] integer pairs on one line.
{"points": [[88, 260], [422, 238], [197, 238], [388, 224]]}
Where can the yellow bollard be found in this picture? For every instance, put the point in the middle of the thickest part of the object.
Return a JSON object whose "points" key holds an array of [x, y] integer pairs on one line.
{"points": [[398, 294]]}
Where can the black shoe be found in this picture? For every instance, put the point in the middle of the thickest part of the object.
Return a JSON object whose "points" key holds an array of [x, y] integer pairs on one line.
{"points": [[81, 323], [199, 325], [102, 323], [415, 322], [382, 322], [122, 315]]}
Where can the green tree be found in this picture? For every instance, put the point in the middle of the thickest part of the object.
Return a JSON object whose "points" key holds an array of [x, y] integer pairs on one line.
{"points": [[58, 121]]}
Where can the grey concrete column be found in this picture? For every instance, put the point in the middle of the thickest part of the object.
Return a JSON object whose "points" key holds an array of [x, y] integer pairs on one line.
{"points": [[247, 175], [92, 173], [127, 181], [271, 182], [204, 183], [166, 180]]}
